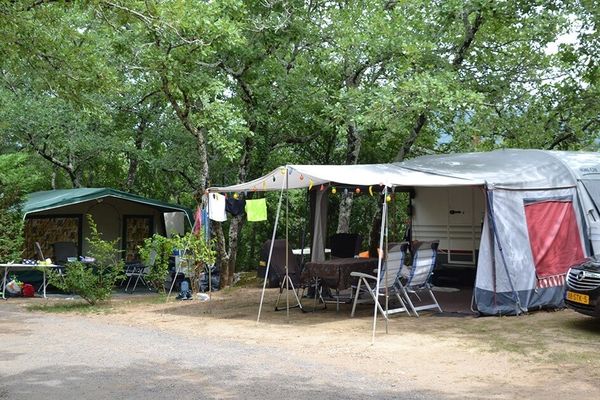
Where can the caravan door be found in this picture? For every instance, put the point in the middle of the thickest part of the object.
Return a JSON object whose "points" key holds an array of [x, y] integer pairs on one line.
{"points": [[452, 215], [465, 213]]}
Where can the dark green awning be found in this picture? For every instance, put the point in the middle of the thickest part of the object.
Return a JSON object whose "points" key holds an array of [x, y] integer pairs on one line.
{"points": [[51, 199]]}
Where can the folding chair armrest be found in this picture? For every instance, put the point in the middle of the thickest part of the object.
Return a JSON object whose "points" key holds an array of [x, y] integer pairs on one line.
{"points": [[362, 275]]}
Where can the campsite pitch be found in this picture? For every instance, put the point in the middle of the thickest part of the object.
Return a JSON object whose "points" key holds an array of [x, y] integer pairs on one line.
{"points": [[141, 347]]}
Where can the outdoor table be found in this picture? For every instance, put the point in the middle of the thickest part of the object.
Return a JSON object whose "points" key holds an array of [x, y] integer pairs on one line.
{"points": [[24, 267], [336, 271]]}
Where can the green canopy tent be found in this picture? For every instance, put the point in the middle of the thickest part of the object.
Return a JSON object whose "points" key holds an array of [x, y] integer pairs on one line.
{"points": [[59, 216]]}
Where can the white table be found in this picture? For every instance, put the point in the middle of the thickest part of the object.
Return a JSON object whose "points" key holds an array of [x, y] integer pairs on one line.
{"points": [[24, 267]]}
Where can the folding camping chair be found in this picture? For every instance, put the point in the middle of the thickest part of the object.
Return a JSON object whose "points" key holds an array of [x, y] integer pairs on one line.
{"points": [[389, 282], [293, 281], [139, 271], [417, 277]]}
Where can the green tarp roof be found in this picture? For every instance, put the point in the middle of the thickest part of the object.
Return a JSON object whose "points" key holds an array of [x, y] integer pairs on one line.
{"points": [[50, 199]]}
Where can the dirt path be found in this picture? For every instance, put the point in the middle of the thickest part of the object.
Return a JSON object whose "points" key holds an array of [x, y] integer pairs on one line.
{"points": [[184, 350]]}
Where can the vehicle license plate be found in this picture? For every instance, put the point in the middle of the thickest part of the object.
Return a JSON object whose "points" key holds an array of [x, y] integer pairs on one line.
{"points": [[578, 298]]}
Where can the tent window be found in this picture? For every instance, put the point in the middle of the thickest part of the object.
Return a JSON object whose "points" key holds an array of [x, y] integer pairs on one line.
{"points": [[553, 236], [593, 189], [136, 228]]}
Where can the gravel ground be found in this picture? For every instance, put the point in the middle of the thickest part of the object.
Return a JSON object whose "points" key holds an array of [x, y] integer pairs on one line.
{"points": [[47, 356]]}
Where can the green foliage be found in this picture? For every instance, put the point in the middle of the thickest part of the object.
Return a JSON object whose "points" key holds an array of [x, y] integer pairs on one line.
{"points": [[14, 182], [198, 254], [155, 253], [11, 226], [93, 282]]}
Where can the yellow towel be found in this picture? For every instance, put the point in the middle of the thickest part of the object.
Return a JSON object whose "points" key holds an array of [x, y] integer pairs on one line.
{"points": [[256, 210]]}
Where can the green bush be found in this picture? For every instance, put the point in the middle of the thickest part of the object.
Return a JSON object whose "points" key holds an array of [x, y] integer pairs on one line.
{"points": [[93, 282], [163, 248], [198, 254], [11, 225]]}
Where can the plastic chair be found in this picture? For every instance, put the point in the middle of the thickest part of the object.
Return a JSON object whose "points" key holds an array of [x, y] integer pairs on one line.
{"points": [[139, 271], [389, 282]]}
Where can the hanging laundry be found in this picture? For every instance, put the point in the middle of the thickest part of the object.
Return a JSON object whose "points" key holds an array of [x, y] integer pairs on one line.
{"points": [[197, 221], [234, 206], [216, 207], [256, 210]]}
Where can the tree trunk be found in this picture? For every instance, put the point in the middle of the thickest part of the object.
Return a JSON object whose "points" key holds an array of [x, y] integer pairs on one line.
{"points": [[222, 258], [133, 159], [459, 58], [351, 159], [237, 223], [412, 138]]}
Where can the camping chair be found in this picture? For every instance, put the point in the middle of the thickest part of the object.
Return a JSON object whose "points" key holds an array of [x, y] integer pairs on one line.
{"points": [[417, 277], [389, 281], [277, 270], [139, 271], [345, 245]]}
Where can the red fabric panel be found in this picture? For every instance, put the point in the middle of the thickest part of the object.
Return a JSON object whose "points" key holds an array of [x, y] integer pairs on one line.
{"points": [[553, 236]]}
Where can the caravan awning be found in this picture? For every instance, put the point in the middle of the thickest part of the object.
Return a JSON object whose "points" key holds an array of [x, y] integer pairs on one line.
{"points": [[304, 176]]}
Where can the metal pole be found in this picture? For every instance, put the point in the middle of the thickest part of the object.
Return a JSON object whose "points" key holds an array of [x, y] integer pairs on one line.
{"points": [[380, 259], [262, 296], [287, 250]]}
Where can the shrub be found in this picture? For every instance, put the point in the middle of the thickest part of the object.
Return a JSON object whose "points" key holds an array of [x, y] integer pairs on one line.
{"points": [[199, 254], [93, 282], [11, 224], [163, 247]]}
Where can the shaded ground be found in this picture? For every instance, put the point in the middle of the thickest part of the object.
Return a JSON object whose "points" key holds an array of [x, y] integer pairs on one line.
{"points": [[141, 347]]}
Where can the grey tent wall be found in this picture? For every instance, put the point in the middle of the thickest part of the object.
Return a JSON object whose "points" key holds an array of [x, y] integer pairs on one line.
{"points": [[318, 215]]}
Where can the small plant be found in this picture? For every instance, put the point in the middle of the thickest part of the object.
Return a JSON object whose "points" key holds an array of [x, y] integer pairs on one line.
{"points": [[155, 253], [199, 254], [94, 282]]}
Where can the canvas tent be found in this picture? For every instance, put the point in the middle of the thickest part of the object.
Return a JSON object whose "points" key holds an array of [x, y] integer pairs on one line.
{"points": [[522, 216], [59, 216]]}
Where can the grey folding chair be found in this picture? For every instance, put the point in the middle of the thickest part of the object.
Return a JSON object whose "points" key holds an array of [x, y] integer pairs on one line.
{"points": [[416, 278], [139, 271], [389, 282]]}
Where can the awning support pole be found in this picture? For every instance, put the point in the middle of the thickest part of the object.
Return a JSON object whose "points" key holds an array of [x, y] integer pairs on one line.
{"points": [[384, 216], [262, 296]]}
